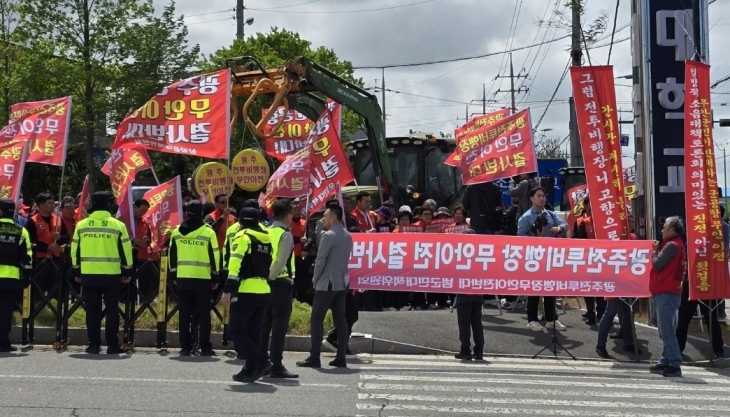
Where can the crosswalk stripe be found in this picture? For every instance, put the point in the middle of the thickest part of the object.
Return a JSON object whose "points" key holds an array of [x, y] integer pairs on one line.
{"points": [[532, 381], [539, 392], [501, 411], [541, 402]]}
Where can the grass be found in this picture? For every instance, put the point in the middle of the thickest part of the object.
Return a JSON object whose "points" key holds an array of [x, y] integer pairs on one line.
{"points": [[299, 323]]}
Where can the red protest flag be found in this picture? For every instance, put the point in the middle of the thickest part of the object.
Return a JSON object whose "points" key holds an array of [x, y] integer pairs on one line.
{"points": [[459, 264], [595, 108], [13, 156], [501, 150], [45, 125], [189, 117], [122, 167], [291, 179], [479, 122], [80, 210], [291, 137], [707, 263], [165, 211], [125, 212]]}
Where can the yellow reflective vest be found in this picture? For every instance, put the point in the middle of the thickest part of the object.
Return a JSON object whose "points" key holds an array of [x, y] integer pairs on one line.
{"points": [[194, 255], [101, 246], [251, 252], [276, 232], [16, 253]]}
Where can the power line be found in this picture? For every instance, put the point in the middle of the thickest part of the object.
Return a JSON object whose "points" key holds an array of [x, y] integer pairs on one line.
{"points": [[211, 21], [341, 11], [613, 32], [418, 64], [291, 5]]}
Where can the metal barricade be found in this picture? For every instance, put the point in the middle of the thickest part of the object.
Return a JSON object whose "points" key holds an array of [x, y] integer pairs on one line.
{"points": [[38, 298], [132, 309]]}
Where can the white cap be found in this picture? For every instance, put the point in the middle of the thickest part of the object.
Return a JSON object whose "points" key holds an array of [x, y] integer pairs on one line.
{"points": [[405, 208]]}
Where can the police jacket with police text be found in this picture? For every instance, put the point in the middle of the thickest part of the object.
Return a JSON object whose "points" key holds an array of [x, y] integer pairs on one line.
{"points": [[101, 252], [16, 256], [194, 256]]}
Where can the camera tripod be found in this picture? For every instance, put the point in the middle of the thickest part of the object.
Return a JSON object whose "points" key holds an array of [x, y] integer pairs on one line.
{"points": [[554, 343]]}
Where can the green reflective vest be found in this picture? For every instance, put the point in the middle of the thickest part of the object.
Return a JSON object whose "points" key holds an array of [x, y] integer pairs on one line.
{"points": [[276, 232], [101, 246], [242, 256], [190, 255]]}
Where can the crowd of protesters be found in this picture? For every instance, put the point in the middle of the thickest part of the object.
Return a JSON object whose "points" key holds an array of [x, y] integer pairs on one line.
{"points": [[51, 223]]}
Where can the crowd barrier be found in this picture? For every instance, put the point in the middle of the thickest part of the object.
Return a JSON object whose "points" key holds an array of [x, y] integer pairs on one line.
{"points": [[61, 295]]}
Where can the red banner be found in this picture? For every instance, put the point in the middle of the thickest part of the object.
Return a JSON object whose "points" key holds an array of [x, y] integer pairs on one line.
{"points": [[291, 179], [478, 122], [81, 209], [122, 167], [595, 107], [329, 164], [190, 117], [45, 124], [505, 265], [290, 137], [125, 212], [165, 211], [13, 156], [706, 253], [501, 150]]}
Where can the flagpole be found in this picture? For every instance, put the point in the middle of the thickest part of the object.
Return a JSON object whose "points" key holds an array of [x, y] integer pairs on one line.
{"points": [[154, 174]]}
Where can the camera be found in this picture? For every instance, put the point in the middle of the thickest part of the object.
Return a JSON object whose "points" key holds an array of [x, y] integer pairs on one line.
{"points": [[540, 222]]}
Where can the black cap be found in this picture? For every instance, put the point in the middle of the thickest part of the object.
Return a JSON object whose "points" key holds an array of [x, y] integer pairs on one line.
{"points": [[248, 215], [251, 203], [195, 209], [8, 208], [101, 200]]}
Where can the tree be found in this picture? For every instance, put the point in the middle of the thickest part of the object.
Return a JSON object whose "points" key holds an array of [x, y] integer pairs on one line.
{"points": [[549, 147], [273, 49], [590, 33], [111, 55]]}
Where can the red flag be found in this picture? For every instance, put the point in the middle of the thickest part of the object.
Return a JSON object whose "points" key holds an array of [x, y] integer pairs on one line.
{"points": [[125, 212], [13, 156], [124, 164], [595, 108], [45, 125], [294, 134], [82, 200], [706, 252], [501, 150], [190, 117], [165, 211], [479, 122], [291, 180]]}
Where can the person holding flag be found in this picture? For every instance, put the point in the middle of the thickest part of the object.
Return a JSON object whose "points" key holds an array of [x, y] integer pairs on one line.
{"points": [[44, 228]]}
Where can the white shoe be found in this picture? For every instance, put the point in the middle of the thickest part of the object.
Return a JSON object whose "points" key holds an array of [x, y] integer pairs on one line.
{"points": [[535, 326], [557, 325], [329, 345], [351, 356]]}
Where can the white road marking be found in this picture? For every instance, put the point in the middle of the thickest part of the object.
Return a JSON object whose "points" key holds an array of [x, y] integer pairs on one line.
{"points": [[153, 380]]}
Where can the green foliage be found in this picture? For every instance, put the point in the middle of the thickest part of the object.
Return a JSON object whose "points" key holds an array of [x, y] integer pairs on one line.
{"points": [[273, 49]]}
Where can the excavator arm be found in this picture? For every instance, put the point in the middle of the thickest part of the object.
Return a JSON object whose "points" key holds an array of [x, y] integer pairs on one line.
{"points": [[294, 85]]}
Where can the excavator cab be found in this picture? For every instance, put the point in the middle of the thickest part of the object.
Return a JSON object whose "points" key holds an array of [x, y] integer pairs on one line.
{"points": [[417, 168]]}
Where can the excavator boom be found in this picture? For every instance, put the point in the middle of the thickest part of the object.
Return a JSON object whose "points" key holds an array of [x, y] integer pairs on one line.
{"points": [[295, 85]]}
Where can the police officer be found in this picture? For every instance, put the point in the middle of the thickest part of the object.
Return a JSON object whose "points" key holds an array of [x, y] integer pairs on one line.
{"points": [[16, 258], [281, 280], [233, 230], [194, 263], [248, 294], [101, 255]]}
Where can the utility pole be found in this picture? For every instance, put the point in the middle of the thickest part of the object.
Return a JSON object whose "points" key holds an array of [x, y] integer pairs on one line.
{"points": [[483, 100], [576, 53], [239, 19], [512, 89], [382, 87]]}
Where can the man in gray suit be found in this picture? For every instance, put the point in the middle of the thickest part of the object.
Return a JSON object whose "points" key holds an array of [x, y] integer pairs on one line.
{"points": [[331, 282]]}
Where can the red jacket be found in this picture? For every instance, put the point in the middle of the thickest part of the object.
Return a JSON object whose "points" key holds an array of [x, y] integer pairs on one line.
{"points": [[587, 223], [669, 279], [298, 227], [363, 223]]}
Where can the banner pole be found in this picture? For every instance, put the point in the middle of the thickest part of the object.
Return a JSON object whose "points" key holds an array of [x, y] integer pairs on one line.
{"points": [[154, 174], [60, 197]]}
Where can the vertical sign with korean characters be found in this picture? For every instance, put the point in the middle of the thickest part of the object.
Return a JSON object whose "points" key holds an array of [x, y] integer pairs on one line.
{"points": [[190, 117], [122, 168], [45, 125], [13, 156], [707, 266], [165, 211], [501, 150], [672, 30], [595, 108]]}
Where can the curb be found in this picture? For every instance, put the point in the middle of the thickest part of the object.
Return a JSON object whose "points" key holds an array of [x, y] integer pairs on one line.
{"points": [[359, 343]]}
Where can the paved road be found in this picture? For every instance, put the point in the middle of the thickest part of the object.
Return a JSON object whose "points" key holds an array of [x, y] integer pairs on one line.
{"points": [[507, 334], [72, 384]]}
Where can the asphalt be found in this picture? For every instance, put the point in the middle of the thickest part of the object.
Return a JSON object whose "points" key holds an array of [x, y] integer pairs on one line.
{"points": [[507, 334], [42, 382]]}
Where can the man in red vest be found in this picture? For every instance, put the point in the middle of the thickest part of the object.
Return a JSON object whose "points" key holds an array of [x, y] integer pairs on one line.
{"points": [[145, 261], [44, 229], [220, 219], [362, 214], [302, 278], [583, 229], [665, 285]]}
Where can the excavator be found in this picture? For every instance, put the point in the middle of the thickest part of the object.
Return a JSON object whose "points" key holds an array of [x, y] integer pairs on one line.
{"points": [[299, 84]]}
